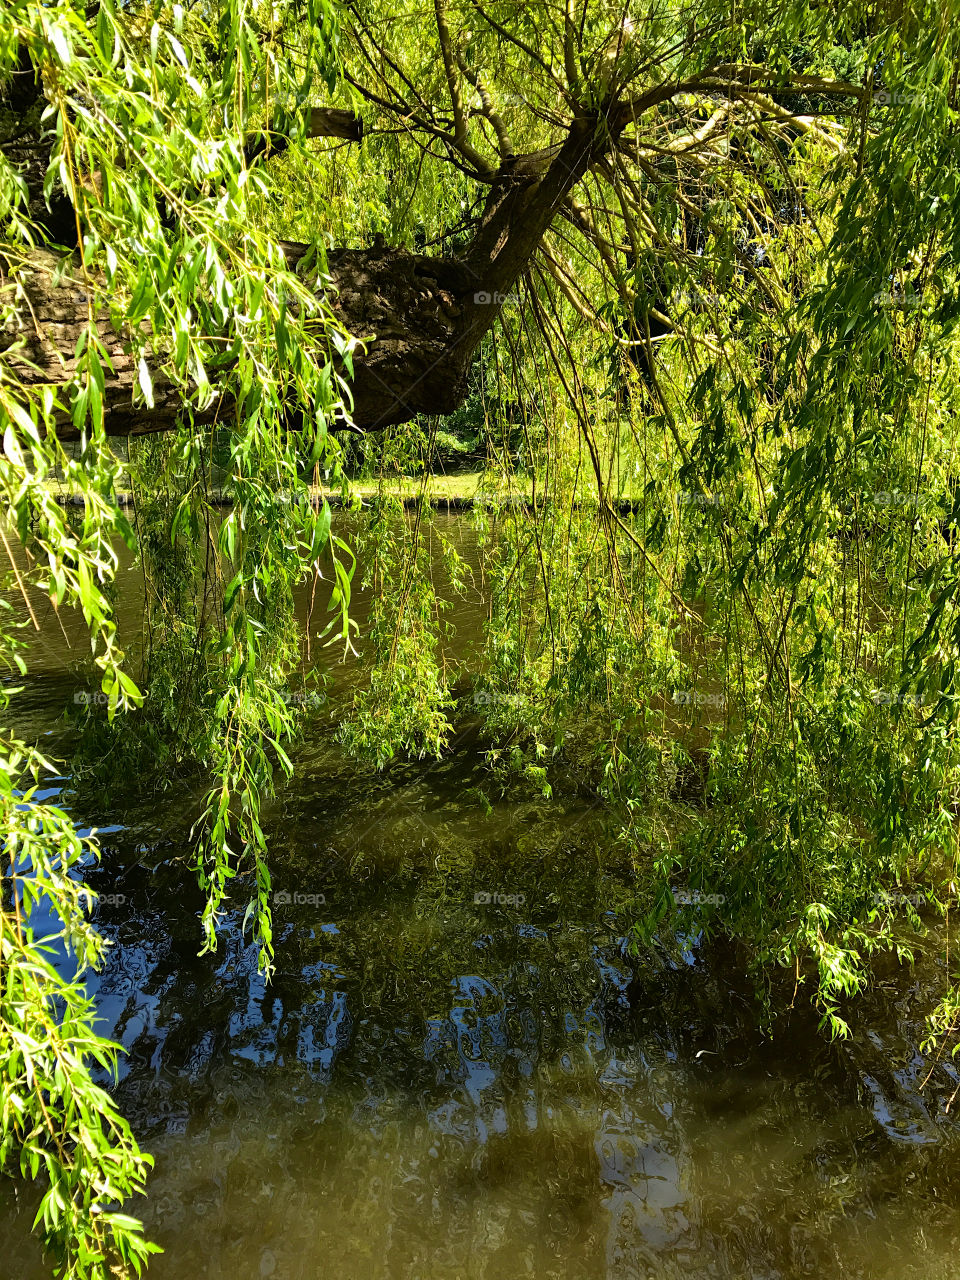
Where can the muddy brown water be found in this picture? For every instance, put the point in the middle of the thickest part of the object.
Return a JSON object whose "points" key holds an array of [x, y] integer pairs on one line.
{"points": [[460, 1070]]}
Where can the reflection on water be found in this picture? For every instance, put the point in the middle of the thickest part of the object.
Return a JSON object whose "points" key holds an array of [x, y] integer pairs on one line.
{"points": [[461, 1071]]}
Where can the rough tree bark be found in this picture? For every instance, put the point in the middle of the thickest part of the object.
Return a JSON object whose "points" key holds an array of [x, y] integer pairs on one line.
{"points": [[422, 316]]}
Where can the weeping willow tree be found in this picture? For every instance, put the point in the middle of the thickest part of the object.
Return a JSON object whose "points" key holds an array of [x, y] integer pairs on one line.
{"points": [[164, 273], [721, 248], [695, 266]]}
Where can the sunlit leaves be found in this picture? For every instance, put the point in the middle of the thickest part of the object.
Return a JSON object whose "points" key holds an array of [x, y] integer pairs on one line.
{"points": [[146, 120], [56, 1125]]}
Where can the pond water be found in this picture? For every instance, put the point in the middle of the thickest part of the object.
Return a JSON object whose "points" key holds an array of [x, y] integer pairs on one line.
{"points": [[460, 1070]]}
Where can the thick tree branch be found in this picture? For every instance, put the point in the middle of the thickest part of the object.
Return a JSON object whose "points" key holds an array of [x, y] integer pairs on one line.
{"points": [[460, 139], [321, 122], [421, 317], [487, 110]]}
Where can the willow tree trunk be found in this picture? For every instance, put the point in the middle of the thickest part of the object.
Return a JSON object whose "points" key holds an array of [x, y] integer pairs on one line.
{"points": [[421, 317]]}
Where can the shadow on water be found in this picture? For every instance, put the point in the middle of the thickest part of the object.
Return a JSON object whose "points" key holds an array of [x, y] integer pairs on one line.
{"points": [[461, 1071]]}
